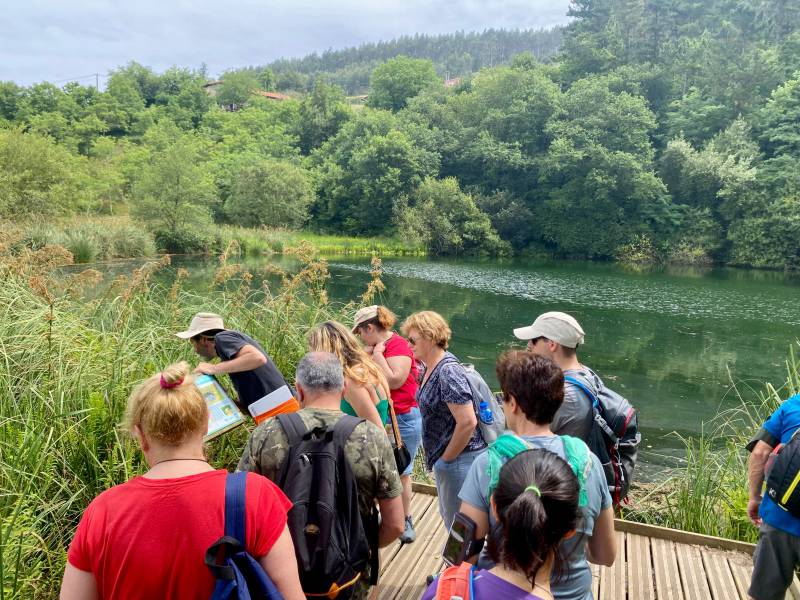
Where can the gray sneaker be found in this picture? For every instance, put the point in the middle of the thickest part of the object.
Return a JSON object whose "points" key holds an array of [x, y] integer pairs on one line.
{"points": [[409, 535]]}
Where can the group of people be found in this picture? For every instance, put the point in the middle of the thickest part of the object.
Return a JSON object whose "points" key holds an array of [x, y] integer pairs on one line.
{"points": [[537, 494]]}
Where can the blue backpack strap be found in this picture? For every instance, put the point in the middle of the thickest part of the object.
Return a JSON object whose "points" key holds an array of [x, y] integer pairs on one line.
{"points": [[584, 387], [235, 487]]}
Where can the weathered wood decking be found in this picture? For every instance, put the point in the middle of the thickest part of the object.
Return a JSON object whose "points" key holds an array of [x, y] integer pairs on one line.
{"points": [[652, 563]]}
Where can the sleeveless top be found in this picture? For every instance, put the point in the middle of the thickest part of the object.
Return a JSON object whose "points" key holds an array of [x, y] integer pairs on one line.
{"points": [[382, 407]]}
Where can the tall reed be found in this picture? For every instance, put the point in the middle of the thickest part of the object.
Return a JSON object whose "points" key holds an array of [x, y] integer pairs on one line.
{"points": [[709, 494], [67, 366]]}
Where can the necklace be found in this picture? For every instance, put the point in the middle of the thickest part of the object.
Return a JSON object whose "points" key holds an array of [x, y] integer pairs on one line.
{"points": [[172, 459]]}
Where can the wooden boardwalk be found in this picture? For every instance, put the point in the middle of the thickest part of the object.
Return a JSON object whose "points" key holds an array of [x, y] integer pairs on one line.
{"points": [[652, 563]]}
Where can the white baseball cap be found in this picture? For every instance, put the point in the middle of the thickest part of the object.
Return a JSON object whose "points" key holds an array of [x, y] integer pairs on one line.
{"points": [[557, 326], [201, 323]]}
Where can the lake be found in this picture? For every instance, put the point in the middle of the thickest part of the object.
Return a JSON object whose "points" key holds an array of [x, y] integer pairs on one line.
{"points": [[671, 340]]}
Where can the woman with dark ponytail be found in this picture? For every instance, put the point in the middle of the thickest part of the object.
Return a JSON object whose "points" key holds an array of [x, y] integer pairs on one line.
{"points": [[536, 505]]}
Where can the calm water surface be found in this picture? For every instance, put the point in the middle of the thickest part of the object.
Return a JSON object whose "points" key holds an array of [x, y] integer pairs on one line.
{"points": [[671, 341]]}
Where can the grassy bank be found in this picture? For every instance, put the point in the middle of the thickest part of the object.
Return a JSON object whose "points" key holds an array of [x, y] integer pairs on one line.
{"points": [[709, 495], [91, 239], [68, 365]]}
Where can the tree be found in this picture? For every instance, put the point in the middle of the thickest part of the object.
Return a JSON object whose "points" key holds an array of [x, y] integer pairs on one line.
{"points": [[276, 194], [11, 96], [37, 176], [322, 113], [173, 191], [396, 81], [364, 170], [447, 221], [236, 88]]}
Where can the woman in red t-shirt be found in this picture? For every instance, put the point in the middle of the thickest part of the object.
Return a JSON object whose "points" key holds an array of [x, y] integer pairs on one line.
{"points": [[395, 358], [147, 538]]}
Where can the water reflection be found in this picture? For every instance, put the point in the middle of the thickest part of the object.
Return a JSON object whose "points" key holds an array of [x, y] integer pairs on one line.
{"points": [[671, 340]]}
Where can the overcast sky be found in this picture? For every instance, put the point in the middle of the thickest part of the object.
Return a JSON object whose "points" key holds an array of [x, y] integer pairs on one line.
{"points": [[56, 40]]}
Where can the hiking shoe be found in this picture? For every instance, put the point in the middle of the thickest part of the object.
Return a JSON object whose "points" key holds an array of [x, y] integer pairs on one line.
{"points": [[409, 535]]}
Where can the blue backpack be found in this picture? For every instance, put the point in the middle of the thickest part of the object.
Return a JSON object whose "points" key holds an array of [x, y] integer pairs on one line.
{"points": [[239, 576]]}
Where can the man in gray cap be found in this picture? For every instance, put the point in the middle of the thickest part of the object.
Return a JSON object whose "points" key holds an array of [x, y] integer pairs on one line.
{"points": [[253, 374], [557, 336]]}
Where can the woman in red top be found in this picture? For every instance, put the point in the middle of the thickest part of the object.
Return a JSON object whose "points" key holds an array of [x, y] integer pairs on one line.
{"points": [[395, 358], [147, 538]]}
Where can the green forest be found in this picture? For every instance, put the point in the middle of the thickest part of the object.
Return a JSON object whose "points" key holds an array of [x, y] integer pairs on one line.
{"points": [[659, 131], [455, 55]]}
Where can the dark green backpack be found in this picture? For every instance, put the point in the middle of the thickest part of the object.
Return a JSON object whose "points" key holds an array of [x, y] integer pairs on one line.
{"points": [[783, 476]]}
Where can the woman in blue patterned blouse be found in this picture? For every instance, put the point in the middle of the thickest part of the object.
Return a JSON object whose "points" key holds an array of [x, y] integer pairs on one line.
{"points": [[450, 435]]}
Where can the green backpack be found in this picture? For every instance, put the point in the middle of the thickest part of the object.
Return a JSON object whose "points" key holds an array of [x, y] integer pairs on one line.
{"points": [[509, 445]]}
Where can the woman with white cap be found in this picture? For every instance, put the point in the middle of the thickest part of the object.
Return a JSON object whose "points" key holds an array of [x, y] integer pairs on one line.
{"points": [[393, 355]]}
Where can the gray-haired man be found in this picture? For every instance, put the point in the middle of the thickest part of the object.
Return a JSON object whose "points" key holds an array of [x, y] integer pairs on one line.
{"points": [[320, 387]]}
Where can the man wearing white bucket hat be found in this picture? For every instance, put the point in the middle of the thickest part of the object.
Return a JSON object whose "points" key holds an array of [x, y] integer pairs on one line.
{"points": [[253, 374], [557, 336]]}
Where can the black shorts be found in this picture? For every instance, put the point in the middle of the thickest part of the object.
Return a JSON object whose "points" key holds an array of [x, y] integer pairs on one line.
{"points": [[774, 561]]}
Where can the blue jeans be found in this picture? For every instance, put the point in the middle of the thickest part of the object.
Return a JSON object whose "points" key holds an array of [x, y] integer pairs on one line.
{"points": [[410, 426], [450, 477]]}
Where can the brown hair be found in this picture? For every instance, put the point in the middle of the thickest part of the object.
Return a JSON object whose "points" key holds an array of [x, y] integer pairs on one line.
{"points": [[536, 499], [168, 407], [384, 320], [535, 382], [335, 338], [431, 325]]}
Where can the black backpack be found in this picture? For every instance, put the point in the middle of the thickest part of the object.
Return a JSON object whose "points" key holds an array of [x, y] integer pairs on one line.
{"points": [[783, 476], [334, 546], [615, 436]]}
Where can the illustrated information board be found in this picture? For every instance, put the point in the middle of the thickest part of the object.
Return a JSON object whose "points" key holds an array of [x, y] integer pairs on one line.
{"points": [[223, 414]]}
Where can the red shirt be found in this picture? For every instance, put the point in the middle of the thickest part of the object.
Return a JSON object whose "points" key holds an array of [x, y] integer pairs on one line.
{"points": [[147, 538], [404, 397]]}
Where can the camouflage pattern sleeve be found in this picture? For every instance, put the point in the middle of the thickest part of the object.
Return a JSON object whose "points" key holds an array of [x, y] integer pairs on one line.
{"points": [[387, 479], [265, 450]]}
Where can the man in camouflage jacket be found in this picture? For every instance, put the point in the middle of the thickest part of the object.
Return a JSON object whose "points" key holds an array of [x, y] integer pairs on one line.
{"points": [[320, 387]]}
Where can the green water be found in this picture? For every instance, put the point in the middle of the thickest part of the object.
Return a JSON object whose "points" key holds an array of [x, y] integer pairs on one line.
{"points": [[669, 340], [672, 341]]}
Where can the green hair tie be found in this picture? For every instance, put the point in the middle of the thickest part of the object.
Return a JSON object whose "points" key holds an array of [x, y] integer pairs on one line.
{"points": [[533, 488]]}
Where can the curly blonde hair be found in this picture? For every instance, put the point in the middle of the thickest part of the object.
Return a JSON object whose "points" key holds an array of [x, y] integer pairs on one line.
{"points": [[431, 325], [333, 337]]}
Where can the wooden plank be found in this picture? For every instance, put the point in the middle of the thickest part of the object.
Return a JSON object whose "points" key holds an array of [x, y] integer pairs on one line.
{"points": [[693, 578], [794, 590], [719, 575], [595, 580], [429, 563], [640, 567], [424, 488], [420, 504], [612, 579], [741, 567], [400, 574], [665, 570], [682, 537]]}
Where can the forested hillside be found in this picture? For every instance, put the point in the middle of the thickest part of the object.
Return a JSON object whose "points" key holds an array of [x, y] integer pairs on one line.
{"points": [[454, 55], [664, 130]]}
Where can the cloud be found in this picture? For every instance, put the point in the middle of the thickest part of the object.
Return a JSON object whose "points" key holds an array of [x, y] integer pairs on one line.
{"points": [[55, 40]]}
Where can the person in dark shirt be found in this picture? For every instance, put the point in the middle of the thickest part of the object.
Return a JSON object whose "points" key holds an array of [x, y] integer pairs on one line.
{"points": [[252, 372]]}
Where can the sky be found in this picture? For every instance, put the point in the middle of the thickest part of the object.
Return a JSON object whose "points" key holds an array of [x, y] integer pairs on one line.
{"points": [[61, 40]]}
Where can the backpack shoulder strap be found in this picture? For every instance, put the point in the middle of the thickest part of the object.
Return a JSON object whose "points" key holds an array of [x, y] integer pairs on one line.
{"points": [[235, 488], [344, 429], [456, 582], [579, 459], [295, 429], [583, 387], [293, 426]]}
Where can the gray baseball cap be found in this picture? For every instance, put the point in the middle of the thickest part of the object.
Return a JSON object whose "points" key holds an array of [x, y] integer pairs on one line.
{"points": [[557, 326]]}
